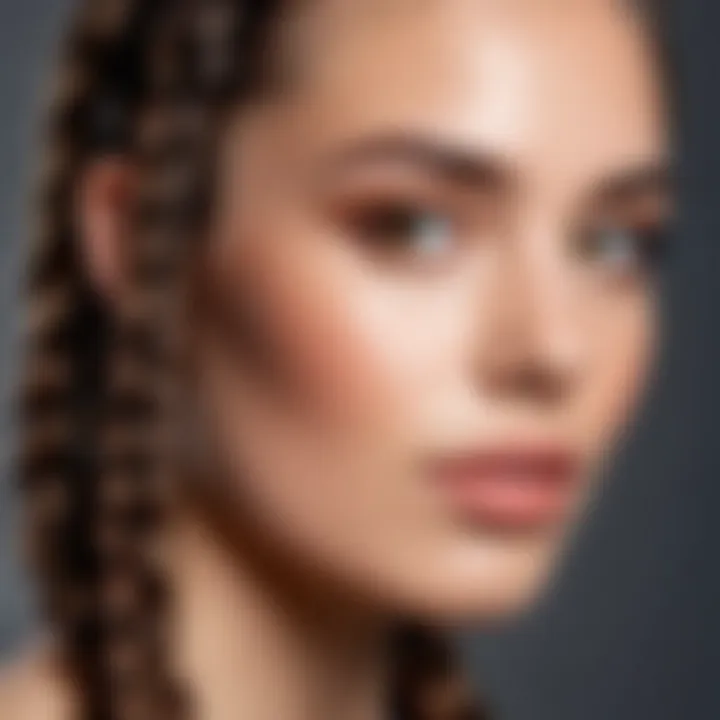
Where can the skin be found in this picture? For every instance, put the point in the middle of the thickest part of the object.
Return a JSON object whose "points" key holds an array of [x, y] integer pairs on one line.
{"points": [[333, 372], [329, 370]]}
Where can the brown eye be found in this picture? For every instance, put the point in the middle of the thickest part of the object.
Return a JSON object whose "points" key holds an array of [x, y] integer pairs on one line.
{"points": [[406, 228]]}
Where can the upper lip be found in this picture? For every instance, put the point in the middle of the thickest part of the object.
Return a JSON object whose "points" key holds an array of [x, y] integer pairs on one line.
{"points": [[540, 459]]}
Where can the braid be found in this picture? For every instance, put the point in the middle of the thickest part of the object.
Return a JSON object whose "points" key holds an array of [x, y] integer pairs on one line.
{"points": [[151, 78], [428, 683], [67, 348], [175, 134]]}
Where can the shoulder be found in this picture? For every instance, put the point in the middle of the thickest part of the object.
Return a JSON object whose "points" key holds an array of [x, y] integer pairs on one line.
{"points": [[32, 688]]}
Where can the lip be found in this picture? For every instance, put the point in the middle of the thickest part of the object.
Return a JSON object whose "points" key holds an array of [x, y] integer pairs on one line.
{"points": [[518, 486]]}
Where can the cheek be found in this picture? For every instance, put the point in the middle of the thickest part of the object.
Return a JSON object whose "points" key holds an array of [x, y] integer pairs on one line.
{"points": [[353, 346], [314, 365], [624, 338]]}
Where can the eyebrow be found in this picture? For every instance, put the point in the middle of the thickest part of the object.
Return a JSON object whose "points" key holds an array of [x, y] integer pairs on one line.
{"points": [[475, 169], [654, 176], [453, 162]]}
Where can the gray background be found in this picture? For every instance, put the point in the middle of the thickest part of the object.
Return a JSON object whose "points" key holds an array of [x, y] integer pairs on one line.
{"points": [[631, 629]]}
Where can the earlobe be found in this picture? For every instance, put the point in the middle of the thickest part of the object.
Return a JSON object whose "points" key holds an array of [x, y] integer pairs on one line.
{"points": [[104, 204]]}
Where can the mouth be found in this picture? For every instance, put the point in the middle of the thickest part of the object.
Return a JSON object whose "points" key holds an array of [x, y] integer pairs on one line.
{"points": [[514, 487]]}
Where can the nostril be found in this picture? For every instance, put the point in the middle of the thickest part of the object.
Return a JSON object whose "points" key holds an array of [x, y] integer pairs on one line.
{"points": [[532, 381], [536, 354]]}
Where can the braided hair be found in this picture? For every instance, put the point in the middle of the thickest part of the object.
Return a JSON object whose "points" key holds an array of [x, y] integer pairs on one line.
{"points": [[150, 78]]}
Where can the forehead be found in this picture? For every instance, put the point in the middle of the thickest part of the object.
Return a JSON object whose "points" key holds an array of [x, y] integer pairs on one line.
{"points": [[538, 81]]}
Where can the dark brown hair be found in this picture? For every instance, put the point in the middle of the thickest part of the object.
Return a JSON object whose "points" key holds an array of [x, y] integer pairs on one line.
{"points": [[149, 78]]}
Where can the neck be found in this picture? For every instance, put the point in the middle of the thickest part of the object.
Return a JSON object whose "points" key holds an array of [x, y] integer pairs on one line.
{"points": [[250, 647]]}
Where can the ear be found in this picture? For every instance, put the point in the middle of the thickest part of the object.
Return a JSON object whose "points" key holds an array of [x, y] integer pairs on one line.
{"points": [[105, 200]]}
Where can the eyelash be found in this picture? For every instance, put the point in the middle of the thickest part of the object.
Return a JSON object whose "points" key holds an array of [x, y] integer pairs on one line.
{"points": [[387, 226], [406, 227], [650, 246]]}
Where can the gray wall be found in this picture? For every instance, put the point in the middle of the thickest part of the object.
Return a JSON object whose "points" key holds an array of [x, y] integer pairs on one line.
{"points": [[28, 33], [631, 629]]}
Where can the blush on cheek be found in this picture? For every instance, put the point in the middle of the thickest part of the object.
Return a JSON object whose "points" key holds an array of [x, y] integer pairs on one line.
{"points": [[340, 343], [306, 331]]}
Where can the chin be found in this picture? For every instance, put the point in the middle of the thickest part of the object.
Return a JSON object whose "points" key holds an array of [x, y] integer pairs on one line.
{"points": [[494, 582]]}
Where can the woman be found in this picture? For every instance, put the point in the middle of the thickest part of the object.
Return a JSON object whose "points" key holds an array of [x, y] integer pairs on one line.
{"points": [[337, 307]]}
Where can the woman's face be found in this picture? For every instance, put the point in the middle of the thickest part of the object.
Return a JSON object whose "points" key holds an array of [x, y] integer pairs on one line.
{"points": [[428, 305]]}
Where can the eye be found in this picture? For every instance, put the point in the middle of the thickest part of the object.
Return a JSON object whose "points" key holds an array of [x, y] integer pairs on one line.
{"points": [[407, 228], [621, 250]]}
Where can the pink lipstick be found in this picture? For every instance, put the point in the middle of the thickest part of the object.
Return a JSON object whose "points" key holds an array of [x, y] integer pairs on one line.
{"points": [[519, 487]]}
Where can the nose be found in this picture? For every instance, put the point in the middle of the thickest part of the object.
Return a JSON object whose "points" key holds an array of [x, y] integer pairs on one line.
{"points": [[534, 345]]}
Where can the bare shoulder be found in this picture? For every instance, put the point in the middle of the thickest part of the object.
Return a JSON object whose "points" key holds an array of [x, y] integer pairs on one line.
{"points": [[33, 688]]}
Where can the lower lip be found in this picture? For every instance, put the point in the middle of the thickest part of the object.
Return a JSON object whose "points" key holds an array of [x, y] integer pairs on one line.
{"points": [[520, 500]]}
